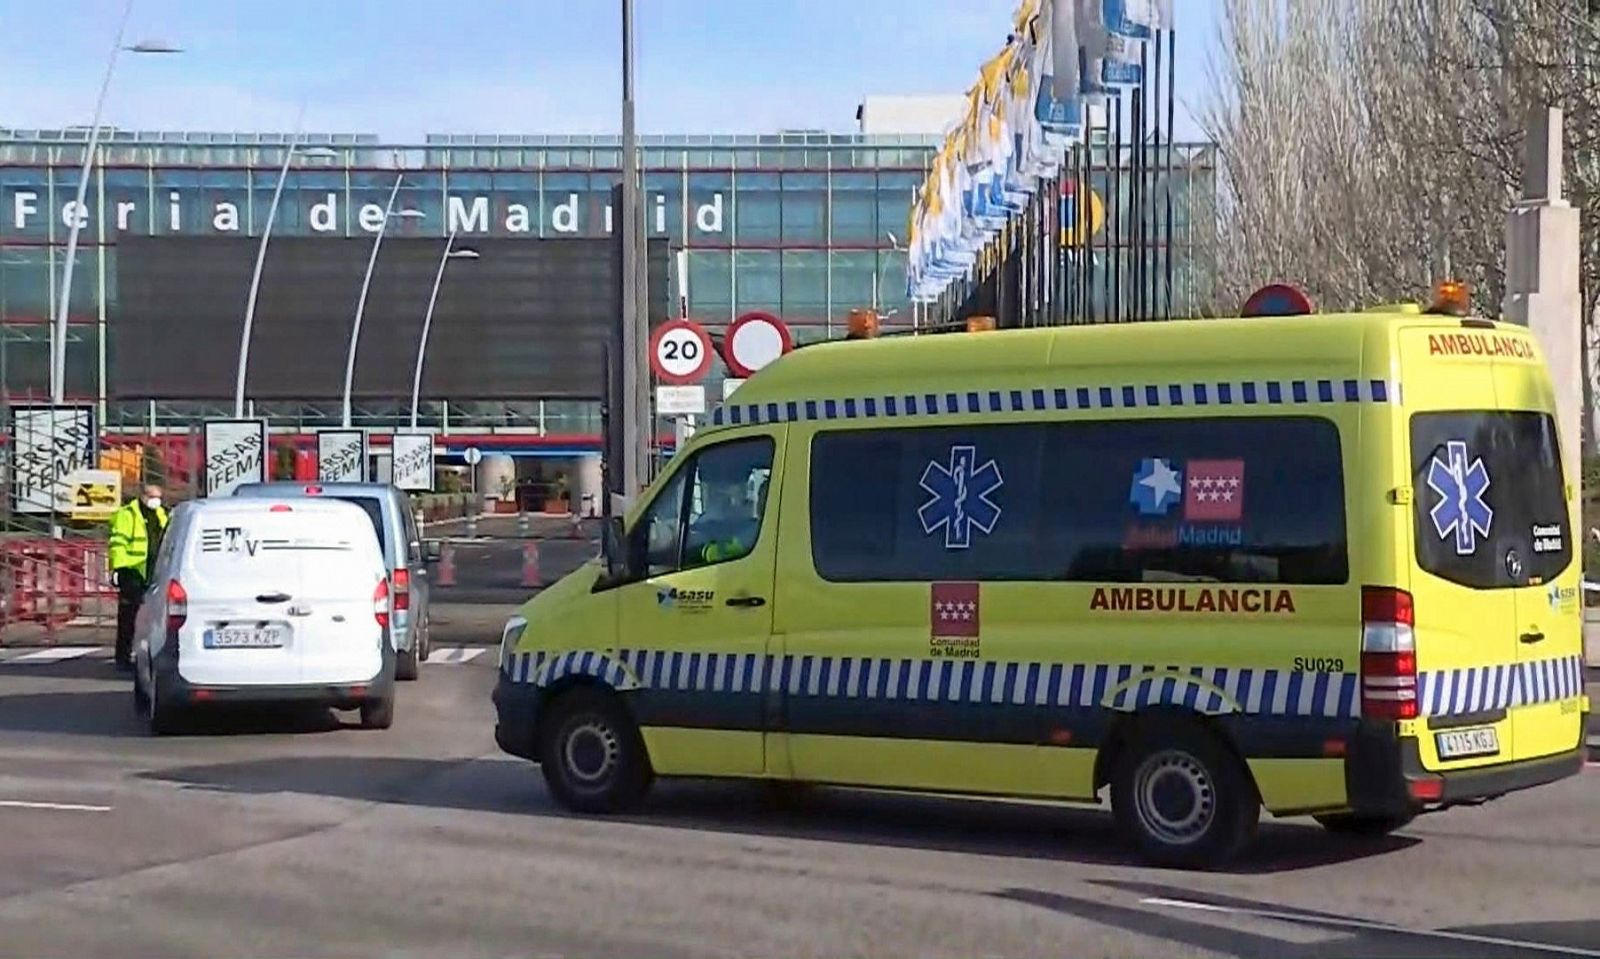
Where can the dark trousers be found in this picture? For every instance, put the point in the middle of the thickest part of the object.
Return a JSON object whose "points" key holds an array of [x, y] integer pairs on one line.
{"points": [[130, 593]]}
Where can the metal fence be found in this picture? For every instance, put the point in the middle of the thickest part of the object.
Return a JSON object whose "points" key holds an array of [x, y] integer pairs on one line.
{"points": [[63, 480]]}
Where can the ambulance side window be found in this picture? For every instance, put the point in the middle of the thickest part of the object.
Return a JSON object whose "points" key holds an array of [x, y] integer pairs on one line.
{"points": [[1205, 499], [711, 511]]}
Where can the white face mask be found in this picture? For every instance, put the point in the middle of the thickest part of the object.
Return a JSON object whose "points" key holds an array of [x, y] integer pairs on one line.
{"points": [[153, 502]]}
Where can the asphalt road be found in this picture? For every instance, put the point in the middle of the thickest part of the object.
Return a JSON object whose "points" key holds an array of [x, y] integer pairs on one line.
{"points": [[302, 835]]}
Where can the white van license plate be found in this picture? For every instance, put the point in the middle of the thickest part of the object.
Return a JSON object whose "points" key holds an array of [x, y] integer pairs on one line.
{"points": [[1461, 743], [244, 637]]}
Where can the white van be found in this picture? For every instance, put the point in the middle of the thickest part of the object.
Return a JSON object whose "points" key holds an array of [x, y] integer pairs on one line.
{"points": [[261, 600]]}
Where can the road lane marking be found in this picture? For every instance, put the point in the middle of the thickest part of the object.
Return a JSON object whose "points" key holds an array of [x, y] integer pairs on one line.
{"points": [[1369, 925], [456, 655], [54, 806], [55, 654]]}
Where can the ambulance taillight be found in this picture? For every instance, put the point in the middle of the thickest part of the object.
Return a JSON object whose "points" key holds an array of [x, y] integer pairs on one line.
{"points": [[1388, 654]]}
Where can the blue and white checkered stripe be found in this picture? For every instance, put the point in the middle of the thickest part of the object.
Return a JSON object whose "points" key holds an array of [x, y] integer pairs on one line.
{"points": [[1122, 687], [1061, 398], [1452, 692], [542, 669]]}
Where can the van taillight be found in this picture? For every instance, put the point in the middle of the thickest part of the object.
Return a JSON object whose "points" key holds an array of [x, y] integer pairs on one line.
{"points": [[402, 590], [380, 603], [177, 606], [1388, 654]]}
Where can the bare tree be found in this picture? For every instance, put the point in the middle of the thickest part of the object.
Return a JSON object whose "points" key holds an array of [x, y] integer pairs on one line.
{"points": [[1369, 147]]}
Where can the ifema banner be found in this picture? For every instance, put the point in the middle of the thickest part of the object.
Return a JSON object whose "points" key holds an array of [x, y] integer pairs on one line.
{"points": [[49, 444], [412, 458], [235, 454], [342, 456]]}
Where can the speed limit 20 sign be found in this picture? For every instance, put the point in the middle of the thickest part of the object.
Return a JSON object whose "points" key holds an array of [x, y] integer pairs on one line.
{"points": [[680, 352]]}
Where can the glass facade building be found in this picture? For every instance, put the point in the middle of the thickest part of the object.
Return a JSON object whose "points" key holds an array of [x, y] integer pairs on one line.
{"points": [[804, 225]]}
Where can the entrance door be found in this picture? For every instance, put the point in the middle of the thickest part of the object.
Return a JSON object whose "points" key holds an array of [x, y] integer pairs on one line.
{"points": [[698, 624]]}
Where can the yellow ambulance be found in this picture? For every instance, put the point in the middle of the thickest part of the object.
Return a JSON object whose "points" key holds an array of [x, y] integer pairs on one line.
{"points": [[1321, 564]]}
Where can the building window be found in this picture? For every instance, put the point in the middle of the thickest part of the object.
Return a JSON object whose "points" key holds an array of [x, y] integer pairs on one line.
{"points": [[852, 279], [805, 287], [854, 210], [759, 209], [757, 281], [805, 197]]}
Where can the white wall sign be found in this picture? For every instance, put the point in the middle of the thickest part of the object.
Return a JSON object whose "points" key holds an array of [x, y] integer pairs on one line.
{"points": [[680, 400], [235, 455], [729, 385], [49, 444], [341, 456], [413, 461]]}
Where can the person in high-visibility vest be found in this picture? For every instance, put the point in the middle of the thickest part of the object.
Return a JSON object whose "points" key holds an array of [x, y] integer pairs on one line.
{"points": [[136, 531], [730, 520]]}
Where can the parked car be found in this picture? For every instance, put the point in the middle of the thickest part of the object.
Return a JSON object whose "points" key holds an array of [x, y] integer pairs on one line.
{"points": [[265, 600], [390, 512]]}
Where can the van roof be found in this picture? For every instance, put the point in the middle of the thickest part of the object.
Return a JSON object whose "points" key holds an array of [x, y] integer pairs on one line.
{"points": [[225, 506], [297, 488], [1329, 345]]}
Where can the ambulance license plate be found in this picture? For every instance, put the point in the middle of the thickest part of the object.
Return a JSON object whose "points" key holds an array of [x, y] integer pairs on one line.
{"points": [[1462, 743], [244, 637]]}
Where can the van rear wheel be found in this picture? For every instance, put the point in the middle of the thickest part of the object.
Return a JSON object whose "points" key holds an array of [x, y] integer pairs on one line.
{"points": [[591, 753], [161, 715], [405, 664], [378, 713], [1355, 824], [1181, 796]]}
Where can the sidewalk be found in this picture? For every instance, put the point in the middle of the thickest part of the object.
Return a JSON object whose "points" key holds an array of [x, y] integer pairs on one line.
{"points": [[506, 526]]}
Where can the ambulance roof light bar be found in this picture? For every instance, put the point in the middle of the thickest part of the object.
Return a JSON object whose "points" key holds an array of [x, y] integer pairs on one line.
{"points": [[1451, 298], [1278, 299]]}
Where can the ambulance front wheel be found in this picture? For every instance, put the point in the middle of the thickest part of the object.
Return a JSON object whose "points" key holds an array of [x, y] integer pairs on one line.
{"points": [[1181, 796], [591, 753]]}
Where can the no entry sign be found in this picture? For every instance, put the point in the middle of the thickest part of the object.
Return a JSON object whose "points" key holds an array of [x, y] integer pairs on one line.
{"points": [[754, 340], [680, 352]]}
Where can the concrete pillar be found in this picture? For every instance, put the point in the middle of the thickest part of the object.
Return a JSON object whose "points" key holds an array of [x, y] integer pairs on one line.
{"points": [[1542, 288], [586, 482]]}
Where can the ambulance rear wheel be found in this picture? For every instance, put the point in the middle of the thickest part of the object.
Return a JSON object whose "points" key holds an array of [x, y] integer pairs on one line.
{"points": [[591, 753], [1354, 824], [1181, 797]]}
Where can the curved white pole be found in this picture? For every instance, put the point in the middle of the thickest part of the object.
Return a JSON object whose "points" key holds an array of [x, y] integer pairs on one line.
{"points": [[361, 302], [58, 333], [427, 326], [255, 278]]}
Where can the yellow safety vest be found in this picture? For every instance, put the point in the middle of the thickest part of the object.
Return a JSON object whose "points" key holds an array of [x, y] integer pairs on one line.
{"points": [[129, 545]]}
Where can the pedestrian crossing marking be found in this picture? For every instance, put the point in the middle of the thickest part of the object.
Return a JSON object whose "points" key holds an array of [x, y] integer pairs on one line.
{"points": [[53, 654], [49, 655]]}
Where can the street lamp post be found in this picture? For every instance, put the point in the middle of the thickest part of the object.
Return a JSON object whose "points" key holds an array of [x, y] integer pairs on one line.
{"points": [[427, 318], [366, 284], [634, 405], [58, 337], [261, 259]]}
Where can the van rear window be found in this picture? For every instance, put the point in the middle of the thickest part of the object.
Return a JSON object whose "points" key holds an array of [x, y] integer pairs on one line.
{"points": [[1490, 508], [374, 511]]}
